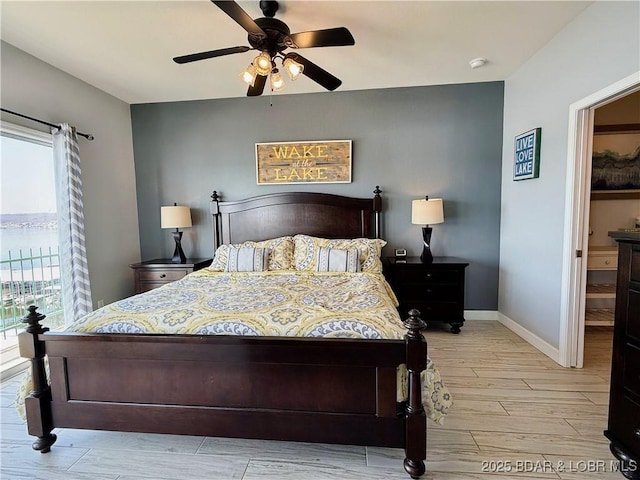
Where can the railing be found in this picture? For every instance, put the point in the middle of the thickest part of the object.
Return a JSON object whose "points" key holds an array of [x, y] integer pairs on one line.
{"points": [[30, 280]]}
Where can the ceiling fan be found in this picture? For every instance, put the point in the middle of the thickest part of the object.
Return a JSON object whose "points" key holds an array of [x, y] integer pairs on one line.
{"points": [[271, 37]]}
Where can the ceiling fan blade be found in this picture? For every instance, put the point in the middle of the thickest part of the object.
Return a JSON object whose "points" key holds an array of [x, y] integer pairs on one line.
{"points": [[258, 86], [316, 73], [331, 37], [243, 19], [193, 57]]}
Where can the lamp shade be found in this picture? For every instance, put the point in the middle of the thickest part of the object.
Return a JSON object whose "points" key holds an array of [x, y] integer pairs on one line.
{"points": [[175, 217], [427, 211]]}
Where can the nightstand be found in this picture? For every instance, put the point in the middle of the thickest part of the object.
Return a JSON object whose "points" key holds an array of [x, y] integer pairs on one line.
{"points": [[435, 289], [155, 273]]}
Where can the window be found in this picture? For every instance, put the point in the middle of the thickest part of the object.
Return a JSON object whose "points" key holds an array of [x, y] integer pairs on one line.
{"points": [[29, 252]]}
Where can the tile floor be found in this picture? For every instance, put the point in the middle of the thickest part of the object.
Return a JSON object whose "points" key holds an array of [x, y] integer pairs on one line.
{"points": [[516, 415]]}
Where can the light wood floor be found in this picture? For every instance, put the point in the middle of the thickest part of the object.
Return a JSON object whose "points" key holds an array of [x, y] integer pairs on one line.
{"points": [[516, 415]]}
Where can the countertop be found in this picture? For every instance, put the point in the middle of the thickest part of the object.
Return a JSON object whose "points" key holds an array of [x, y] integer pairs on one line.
{"points": [[632, 235]]}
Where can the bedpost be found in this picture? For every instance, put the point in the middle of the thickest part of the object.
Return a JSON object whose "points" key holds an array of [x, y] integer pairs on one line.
{"points": [[38, 403], [215, 211], [377, 208], [416, 420]]}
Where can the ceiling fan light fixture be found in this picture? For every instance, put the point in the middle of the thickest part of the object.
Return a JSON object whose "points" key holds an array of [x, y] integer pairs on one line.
{"points": [[270, 37], [248, 75], [262, 63], [277, 83], [293, 68]]}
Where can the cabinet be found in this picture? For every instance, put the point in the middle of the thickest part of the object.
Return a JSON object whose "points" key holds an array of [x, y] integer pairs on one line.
{"points": [[155, 273], [602, 263], [436, 289], [623, 429]]}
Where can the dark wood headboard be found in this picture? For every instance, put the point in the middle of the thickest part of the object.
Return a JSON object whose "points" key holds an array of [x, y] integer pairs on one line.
{"points": [[278, 214]]}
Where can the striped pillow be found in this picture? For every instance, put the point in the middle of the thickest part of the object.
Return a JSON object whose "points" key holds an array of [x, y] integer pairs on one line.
{"points": [[338, 260], [306, 247], [247, 259]]}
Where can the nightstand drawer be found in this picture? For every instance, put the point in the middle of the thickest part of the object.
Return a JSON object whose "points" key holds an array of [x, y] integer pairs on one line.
{"points": [[427, 291], [159, 275], [427, 275], [602, 262], [146, 286]]}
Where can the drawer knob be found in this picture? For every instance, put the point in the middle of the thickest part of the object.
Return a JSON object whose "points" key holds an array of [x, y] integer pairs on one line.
{"points": [[607, 262], [163, 275], [636, 432]]}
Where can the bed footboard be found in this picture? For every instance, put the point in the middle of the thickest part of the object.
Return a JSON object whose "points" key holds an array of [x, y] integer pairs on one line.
{"points": [[280, 388]]}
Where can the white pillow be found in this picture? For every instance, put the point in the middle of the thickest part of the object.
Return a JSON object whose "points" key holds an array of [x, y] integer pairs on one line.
{"points": [[338, 260], [247, 259]]}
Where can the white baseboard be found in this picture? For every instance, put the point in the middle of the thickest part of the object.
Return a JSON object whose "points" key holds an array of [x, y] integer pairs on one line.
{"points": [[480, 315], [549, 350]]}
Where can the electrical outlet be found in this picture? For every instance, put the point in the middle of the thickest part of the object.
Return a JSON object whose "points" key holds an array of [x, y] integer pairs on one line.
{"points": [[100, 303]]}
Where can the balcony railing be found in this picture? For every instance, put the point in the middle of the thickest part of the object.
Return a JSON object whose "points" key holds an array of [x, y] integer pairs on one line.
{"points": [[30, 279]]}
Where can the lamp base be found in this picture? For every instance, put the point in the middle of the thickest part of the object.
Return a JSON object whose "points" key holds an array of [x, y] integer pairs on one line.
{"points": [[427, 256], [178, 254]]}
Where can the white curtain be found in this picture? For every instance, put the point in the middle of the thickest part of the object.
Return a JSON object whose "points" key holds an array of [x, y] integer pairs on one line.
{"points": [[76, 291]]}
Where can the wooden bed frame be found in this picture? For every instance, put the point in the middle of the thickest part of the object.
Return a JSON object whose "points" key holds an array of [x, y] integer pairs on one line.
{"points": [[340, 391]]}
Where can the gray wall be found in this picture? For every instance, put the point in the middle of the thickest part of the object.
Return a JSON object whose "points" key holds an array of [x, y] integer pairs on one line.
{"points": [[597, 49], [37, 89], [442, 141]]}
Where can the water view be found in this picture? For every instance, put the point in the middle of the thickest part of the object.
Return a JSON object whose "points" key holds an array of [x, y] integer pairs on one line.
{"points": [[25, 231], [29, 267]]}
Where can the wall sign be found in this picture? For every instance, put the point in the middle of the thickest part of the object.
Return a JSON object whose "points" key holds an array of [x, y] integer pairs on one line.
{"points": [[526, 161], [303, 162]]}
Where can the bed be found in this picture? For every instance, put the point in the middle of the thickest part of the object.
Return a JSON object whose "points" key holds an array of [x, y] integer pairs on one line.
{"points": [[328, 389]]}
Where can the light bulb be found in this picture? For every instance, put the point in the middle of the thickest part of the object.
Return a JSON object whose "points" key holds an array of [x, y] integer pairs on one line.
{"points": [[262, 63], [293, 68], [248, 75], [277, 83]]}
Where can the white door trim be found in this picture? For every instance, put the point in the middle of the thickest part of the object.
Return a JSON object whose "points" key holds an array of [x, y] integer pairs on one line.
{"points": [[571, 342]]}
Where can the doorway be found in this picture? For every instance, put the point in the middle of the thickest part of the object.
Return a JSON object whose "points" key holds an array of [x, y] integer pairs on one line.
{"points": [[581, 128]]}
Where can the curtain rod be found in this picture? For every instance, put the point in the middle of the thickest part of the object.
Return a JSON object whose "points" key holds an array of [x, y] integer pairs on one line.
{"points": [[88, 136]]}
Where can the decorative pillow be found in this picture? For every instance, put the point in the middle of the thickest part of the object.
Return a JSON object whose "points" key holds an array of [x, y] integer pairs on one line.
{"points": [[247, 259], [338, 260], [281, 257], [306, 251]]}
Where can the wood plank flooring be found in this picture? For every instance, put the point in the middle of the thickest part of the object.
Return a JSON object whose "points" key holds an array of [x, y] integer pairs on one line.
{"points": [[516, 415]]}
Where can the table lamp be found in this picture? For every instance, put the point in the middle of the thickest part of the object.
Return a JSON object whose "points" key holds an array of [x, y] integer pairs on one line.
{"points": [[427, 212], [176, 217]]}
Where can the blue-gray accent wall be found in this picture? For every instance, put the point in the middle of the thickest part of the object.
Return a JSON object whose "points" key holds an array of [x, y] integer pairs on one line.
{"points": [[442, 141]]}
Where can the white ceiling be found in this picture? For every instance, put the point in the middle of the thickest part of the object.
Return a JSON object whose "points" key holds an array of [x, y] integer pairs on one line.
{"points": [[126, 48]]}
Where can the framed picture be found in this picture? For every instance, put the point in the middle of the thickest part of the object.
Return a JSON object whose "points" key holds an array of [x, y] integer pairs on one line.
{"points": [[526, 158], [615, 163], [303, 162]]}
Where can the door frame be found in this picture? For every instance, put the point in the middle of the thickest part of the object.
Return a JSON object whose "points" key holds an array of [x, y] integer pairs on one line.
{"points": [[576, 224]]}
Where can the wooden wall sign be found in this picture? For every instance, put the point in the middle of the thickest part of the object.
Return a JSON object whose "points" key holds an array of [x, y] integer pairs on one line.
{"points": [[303, 162]]}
